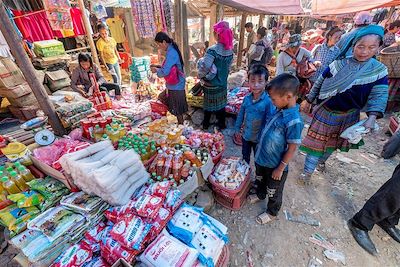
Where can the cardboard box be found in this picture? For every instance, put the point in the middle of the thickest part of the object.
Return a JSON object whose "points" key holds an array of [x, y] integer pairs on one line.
{"points": [[24, 101], [121, 263], [48, 48], [10, 74], [58, 79], [191, 184], [207, 168], [25, 113], [15, 91]]}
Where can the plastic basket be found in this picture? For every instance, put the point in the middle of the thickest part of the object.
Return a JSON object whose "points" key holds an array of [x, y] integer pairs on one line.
{"points": [[236, 202], [159, 108], [393, 124], [223, 259], [195, 101], [220, 190], [218, 157]]}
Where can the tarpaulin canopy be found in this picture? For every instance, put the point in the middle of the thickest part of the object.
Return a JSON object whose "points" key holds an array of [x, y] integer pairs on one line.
{"points": [[269, 7], [334, 7]]}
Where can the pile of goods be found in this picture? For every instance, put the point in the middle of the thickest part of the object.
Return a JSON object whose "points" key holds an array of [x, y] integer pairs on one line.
{"points": [[104, 129], [113, 175], [140, 69], [214, 143], [235, 99], [236, 79], [140, 144], [163, 132]]}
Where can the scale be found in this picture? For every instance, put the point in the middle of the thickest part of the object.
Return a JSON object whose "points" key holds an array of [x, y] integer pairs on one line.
{"points": [[37, 125]]}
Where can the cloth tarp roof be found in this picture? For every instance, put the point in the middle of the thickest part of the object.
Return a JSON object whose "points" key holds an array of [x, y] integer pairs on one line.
{"points": [[334, 7], [287, 7]]}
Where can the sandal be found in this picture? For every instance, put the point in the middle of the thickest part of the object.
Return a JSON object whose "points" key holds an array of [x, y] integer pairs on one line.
{"points": [[304, 179], [321, 167], [253, 199], [265, 218]]}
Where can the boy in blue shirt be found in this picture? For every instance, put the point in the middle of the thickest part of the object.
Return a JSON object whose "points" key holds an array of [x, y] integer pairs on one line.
{"points": [[278, 144], [255, 107]]}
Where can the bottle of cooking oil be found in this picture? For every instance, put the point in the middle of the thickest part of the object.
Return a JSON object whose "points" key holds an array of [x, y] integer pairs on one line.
{"points": [[19, 181], [25, 173], [9, 186]]}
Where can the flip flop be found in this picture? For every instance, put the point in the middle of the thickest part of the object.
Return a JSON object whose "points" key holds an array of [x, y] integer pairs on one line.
{"points": [[265, 218], [237, 141], [253, 199]]}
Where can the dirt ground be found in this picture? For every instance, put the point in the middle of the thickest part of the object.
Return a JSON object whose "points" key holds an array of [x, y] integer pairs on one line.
{"points": [[333, 198]]}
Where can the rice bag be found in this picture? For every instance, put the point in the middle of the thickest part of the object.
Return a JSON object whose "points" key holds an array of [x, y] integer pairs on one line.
{"points": [[12, 216], [81, 202], [96, 262], [115, 213], [147, 206], [26, 199], [131, 232], [159, 189], [172, 199], [158, 224], [111, 251], [75, 256], [167, 251], [23, 239], [185, 223], [50, 188]]}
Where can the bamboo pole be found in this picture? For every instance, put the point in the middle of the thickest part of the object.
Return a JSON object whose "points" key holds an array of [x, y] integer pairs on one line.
{"points": [[86, 23], [29, 72], [241, 40], [185, 39], [213, 20]]}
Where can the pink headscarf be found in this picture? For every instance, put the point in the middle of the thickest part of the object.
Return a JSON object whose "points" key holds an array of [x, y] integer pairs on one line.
{"points": [[225, 34], [363, 17]]}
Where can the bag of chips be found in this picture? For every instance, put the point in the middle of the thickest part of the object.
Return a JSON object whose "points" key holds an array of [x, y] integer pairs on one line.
{"points": [[111, 251], [159, 189], [26, 199]]}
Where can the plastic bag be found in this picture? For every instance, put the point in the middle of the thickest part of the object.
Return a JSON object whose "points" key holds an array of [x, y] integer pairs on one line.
{"points": [[167, 251], [158, 224], [173, 200], [49, 187], [116, 213], [159, 189], [81, 202], [355, 132], [75, 256], [111, 251], [23, 239], [185, 223], [131, 232], [26, 199], [96, 262], [12, 216], [148, 206], [95, 235]]}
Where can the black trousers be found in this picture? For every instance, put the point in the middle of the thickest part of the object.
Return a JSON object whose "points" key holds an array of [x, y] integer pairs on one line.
{"points": [[220, 114], [383, 208], [247, 147], [273, 189], [111, 86]]}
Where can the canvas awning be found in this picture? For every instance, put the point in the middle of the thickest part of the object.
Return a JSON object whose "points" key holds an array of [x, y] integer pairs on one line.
{"points": [[268, 7], [335, 7]]}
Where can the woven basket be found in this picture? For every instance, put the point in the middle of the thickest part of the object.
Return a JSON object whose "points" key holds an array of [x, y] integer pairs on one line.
{"points": [[390, 56]]}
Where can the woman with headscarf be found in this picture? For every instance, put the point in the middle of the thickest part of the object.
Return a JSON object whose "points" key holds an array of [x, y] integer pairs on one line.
{"points": [[347, 86], [220, 56]]}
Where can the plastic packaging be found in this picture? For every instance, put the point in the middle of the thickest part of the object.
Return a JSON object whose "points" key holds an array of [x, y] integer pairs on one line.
{"points": [[19, 181], [158, 224], [159, 189], [81, 202], [26, 174], [111, 251], [48, 187], [75, 256], [10, 186], [26, 199], [173, 200], [96, 262], [12, 216], [147, 206]]}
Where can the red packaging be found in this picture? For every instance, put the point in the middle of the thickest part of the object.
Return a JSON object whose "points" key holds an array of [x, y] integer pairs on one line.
{"points": [[95, 235], [112, 251], [75, 256], [159, 189], [158, 224], [147, 206], [117, 213]]}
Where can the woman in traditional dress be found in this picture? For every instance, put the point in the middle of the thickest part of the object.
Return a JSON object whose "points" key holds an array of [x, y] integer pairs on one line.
{"points": [[215, 90], [345, 87]]}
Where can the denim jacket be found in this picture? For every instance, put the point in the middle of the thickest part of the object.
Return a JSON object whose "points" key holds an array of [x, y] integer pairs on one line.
{"points": [[252, 116]]}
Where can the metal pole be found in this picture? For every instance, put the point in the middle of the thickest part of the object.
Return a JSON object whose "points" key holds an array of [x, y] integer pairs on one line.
{"points": [[86, 23], [29, 72]]}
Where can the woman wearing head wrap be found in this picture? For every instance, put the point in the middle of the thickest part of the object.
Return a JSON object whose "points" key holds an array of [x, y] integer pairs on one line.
{"points": [[344, 88], [215, 90]]}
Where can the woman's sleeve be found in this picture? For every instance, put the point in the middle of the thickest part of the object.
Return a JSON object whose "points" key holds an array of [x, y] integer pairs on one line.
{"points": [[75, 79], [314, 92], [279, 64], [171, 59], [378, 97], [99, 76], [255, 53], [208, 61]]}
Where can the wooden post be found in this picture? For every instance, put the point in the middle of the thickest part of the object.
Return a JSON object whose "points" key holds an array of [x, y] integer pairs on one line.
{"points": [[203, 29], [185, 39], [130, 29], [241, 40], [178, 23], [86, 23], [220, 12], [213, 20], [29, 72], [261, 20]]}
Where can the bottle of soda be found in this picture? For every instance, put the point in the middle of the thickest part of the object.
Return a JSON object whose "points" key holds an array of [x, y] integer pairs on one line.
{"points": [[177, 165], [167, 165], [160, 163], [184, 172]]}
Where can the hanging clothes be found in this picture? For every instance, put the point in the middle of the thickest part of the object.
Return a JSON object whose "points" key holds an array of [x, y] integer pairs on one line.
{"points": [[143, 13], [116, 26], [33, 27], [159, 18], [99, 10], [59, 16], [26, 5], [168, 7], [76, 15]]}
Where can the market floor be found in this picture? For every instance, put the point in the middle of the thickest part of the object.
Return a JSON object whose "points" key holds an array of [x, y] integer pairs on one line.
{"points": [[333, 198]]}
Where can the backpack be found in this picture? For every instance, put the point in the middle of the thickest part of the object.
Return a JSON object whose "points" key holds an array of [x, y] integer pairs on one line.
{"points": [[304, 68]]}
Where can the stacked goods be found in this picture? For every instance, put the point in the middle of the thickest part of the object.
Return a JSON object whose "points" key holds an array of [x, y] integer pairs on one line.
{"points": [[230, 182], [113, 175], [48, 48], [235, 99], [14, 87], [105, 129], [140, 68], [213, 142], [164, 133], [141, 145]]}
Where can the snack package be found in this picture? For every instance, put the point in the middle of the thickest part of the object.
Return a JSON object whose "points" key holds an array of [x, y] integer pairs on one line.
{"points": [[75, 256], [96, 262], [158, 224], [12, 216], [168, 251], [95, 235], [159, 189], [26, 199], [48, 187], [185, 223], [115, 213], [147, 206], [81, 202], [23, 239], [131, 232], [173, 199], [111, 251]]}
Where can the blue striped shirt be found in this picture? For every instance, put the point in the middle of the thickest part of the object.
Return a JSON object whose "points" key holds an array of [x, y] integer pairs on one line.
{"points": [[326, 55], [281, 129]]}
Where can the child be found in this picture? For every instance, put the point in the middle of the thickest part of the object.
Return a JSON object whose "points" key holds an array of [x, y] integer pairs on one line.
{"points": [[253, 111], [107, 47], [278, 143]]}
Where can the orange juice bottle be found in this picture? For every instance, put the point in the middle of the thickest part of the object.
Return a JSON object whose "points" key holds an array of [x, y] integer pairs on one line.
{"points": [[26, 174], [19, 181], [177, 166], [9, 186]]}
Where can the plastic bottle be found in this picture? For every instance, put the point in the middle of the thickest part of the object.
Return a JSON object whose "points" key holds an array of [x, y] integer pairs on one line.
{"points": [[168, 165], [114, 136], [145, 155], [19, 181], [177, 166], [26, 174], [122, 131], [185, 171], [160, 163], [108, 130], [9, 186], [97, 133], [189, 155]]}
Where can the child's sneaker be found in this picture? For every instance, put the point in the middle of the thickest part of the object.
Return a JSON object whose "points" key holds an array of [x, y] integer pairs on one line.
{"points": [[304, 179]]}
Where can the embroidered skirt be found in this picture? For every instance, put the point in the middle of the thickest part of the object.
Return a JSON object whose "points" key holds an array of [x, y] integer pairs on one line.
{"points": [[215, 98], [325, 129], [175, 101]]}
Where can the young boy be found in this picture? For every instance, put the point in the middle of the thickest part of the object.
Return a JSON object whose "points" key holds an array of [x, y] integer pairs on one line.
{"points": [[253, 111], [107, 47], [278, 144]]}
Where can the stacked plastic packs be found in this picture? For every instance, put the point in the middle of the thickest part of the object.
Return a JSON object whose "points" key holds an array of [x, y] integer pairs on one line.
{"points": [[140, 68]]}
